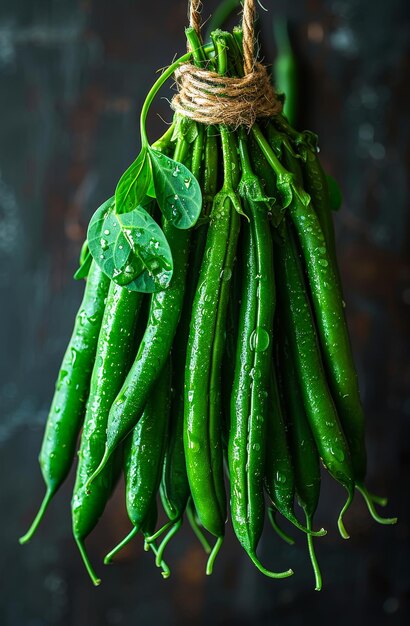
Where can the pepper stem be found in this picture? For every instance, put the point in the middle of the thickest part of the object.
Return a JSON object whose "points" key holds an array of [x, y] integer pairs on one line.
{"points": [[197, 530], [278, 530], [213, 555], [109, 557], [291, 517], [159, 532], [267, 572], [340, 524], [95, 580], [370, 505], [166, 572], [312, 554], [36, 522], [175, 528]]}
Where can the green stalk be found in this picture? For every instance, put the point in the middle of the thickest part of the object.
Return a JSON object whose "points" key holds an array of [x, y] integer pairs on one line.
{"points": [[154, 90], [269, 155], [44, 505]]}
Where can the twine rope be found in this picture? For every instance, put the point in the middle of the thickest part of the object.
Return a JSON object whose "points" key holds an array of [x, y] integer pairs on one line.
{"points": [[248, 27], [209, 98], [194, 15]]}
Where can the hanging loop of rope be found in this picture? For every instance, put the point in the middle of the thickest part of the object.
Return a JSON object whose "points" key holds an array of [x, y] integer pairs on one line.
{"points": [[248, 27], [207, 98]]}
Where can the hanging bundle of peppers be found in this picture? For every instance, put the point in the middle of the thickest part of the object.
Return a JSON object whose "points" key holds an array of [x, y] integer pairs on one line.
{"points": [[211, 342]]}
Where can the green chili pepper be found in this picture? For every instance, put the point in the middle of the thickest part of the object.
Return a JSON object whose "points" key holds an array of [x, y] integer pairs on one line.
{"points": [[201, 434], [72, 388], [174, 487], [246, 450], [300, 330], [111, 365], [317, 187], [279, 473], [303, 448], [335, 343], [321, 267], [144, 455], [202, 418]]}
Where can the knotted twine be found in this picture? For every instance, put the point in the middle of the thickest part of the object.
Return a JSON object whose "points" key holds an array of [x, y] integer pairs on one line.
{"points": [[209, 98]]}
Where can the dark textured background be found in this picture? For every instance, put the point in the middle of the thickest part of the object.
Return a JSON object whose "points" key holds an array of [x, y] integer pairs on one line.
{"points": [[73, 75]]}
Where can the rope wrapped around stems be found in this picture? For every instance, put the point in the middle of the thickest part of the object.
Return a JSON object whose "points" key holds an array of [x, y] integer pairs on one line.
{"points": [[209, 98]]}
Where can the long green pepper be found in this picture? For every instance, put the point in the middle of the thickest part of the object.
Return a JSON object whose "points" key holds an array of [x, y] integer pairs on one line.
{"points": [[114, 348], [143, 457], [72, 388], [306, 463]]}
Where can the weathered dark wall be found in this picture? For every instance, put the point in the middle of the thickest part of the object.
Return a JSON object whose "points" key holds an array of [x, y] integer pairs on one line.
{"points": [[73, 76]]}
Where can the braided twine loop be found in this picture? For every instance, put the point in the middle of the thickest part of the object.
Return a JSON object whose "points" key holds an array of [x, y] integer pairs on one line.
{"points": [[209, 98]]}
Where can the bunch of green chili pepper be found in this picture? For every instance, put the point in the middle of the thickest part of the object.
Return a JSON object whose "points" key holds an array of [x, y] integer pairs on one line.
{"points": [[211, 342]]}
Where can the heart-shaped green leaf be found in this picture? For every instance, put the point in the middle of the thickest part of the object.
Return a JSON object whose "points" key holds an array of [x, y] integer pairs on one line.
{"points": [[177, 191], [133, 184], [130, 248]]}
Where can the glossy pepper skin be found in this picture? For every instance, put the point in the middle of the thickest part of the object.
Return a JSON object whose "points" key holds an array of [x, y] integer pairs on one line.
{"points": [[247, 432], [72, 388], [328, 303], [115, 346], [306, 462], [145, 450], [332, 330], [305, 457], [143, 458], [202, 417], [317, 187], [280, 480], [304, 346], [314, 228], [174, 487], [247, 436]]}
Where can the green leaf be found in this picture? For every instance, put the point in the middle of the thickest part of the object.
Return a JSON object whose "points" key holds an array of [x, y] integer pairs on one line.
{"points": [[177, 191], [133, 184], [335, 193], [186, 129], [85, 264], [130, 248]]}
